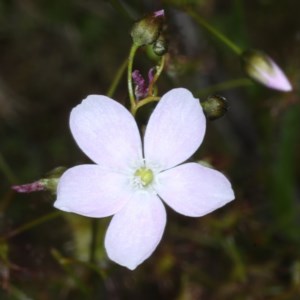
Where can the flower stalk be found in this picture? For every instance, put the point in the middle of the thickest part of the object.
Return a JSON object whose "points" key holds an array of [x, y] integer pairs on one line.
{"points": [[158, 72], [111, 90], [143, 102], [132, 52], [215, 32]]}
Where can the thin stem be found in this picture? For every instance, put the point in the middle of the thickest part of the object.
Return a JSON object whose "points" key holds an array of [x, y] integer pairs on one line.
{"points": [[156, 75], [31, 224], [4, 167], [117, 79], [143, 102], [215, 32], [94, 235], [235, 83], [132, 52]]}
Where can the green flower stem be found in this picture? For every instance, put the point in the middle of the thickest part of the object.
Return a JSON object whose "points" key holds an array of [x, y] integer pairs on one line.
{"points": [[31, 224], [239, 269], [94, 236], [235, 83], [156, 76], [132, 52], [117, 79], [214, 32], [144, 102]]}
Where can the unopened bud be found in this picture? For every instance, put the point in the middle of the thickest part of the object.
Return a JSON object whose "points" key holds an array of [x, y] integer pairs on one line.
{"points": [[160, 46], [147, 30], [215, 107], [48, 183], [264, 70]]}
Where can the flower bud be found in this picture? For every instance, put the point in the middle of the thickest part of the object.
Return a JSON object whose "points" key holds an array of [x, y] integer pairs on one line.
{"points": [[160, 46], [215, 107], [264, 70], [147, 30], [48, 183]]}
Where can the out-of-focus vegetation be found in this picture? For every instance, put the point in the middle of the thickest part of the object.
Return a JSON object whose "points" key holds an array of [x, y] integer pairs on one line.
{"points": [[55, 53]]}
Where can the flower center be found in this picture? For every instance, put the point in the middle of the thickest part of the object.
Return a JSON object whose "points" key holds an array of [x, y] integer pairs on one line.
{"points": [[144, 176]]}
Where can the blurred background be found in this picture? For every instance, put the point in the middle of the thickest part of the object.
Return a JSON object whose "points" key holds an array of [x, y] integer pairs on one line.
{"points": [[55, 53]]}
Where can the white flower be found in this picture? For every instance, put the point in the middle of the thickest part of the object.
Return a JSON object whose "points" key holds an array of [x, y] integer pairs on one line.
{"points": [[130, 181]]}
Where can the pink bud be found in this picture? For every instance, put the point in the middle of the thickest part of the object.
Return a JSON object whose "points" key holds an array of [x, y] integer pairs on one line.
{"points": [[264, 70], [29, 187], [159, 13]]}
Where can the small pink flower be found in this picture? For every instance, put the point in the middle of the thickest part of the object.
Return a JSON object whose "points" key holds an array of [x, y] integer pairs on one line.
{"points": [[130, 181]]}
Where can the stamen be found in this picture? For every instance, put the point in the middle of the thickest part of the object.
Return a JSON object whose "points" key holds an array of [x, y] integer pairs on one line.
{"points": [[145, 176]]}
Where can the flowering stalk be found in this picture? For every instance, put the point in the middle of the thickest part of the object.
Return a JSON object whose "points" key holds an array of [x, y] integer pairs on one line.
{"points": [[158, 72], [144, 102], [117, 78], [134, 104], [220, 36], [132, 52], [146, 31]]}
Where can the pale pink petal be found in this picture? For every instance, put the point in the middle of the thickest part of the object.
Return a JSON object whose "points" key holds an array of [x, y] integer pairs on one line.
{"points": [[276, 79], [106, 132], [175, 129], [136, 230], [260, 67], [89, 191], [194, 190]]}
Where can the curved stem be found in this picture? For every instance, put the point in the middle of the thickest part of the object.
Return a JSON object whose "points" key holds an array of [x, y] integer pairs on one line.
{"points": [[132, 52], [144, 102], [215, 32], [156, 75], [117, 79]]}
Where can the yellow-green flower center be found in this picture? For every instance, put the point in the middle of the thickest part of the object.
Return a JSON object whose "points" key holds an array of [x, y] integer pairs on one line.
{"points": [[145, 176]]}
